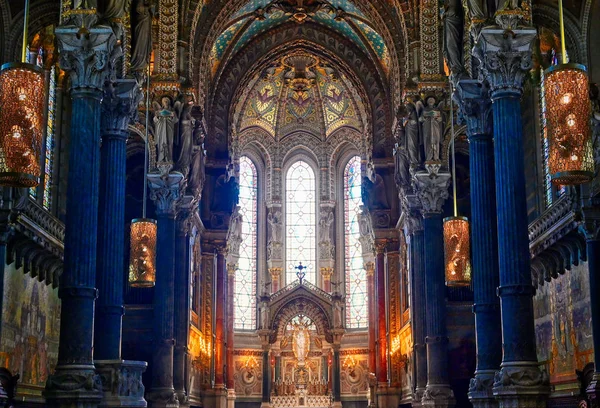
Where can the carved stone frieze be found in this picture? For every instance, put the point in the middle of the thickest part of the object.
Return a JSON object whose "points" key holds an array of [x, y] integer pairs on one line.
{"points": [[505, 57], [74, 386], [122, 383], [431, 190], [521, 384]]}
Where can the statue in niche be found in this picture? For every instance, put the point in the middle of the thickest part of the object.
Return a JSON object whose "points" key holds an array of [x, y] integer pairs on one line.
{"points": [[301, 343], [453, 38], [186, 136], [433, 129], [197, 174], [412, 131], [165, 119], [141, 23], [234, 234], [275, 226], [365, 225], [401, 163], [326, 219], [373, 193]]}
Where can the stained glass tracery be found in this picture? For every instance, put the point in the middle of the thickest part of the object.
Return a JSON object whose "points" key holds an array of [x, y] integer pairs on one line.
{"points": [[356, 278], [301, 221], [245, 277]]}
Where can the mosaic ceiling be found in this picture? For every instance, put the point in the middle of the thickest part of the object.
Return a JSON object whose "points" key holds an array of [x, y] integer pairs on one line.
{"points": [[258, 16], [300, 93]]}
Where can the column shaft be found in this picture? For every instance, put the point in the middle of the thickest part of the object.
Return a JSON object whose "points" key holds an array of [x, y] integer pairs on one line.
{"points": [[381, 318], [266, 380], [230, 345], [419, 312], [220, 329], [336, 389], [372, 306], [182, 307]]}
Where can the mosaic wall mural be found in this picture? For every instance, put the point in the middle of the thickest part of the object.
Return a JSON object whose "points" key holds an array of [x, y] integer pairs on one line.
{"points": [[30, 329]]}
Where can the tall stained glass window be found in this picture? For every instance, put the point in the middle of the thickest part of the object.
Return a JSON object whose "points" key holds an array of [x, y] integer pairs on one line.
{"points": [[300, 221], [356, 277], [49, 148], [245, 278]]}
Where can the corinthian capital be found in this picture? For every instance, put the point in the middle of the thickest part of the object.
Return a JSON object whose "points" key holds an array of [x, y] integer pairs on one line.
{"points": [[120, 104], [505, 57], [476, 107], [87, 54], [432, 190], [166, 191]]}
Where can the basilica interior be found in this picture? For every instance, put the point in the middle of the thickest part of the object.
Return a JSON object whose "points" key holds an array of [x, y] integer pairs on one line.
{"points": [[299, 203]]}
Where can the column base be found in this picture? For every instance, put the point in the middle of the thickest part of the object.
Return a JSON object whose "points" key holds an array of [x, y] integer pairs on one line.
{"points": [[230, 398], [337, 404], [216, 397], [122, 382], [265, 405], [438, 396], [593, 391], [74, 386], [481, 393], [417, 397], [387, 396], [521, 384], [163, 398]]}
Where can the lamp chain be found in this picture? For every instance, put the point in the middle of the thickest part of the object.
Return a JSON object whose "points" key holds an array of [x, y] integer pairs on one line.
{"points": [[453, 152], [561, 21], [146, 142], [25, 32]]}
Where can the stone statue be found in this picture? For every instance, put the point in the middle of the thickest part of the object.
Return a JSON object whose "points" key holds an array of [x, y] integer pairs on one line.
{"points": [[141, 22], [365, 225], [401, 163], [453, 38], [185, 140], [85, 4], [164, 129], [113, 9], [326, 219], [197, 174], [275, 226], [412, 131], [234, 234], [433, 129]]}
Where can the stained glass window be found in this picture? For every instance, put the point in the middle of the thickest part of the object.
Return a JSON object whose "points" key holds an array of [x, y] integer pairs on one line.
{"points": [[245, 277], [300, 221], [49, 153], [356, 277]]}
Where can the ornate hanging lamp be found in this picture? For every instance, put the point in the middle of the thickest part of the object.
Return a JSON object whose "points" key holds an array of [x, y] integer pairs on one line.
{"points": [[142, 266], [21, 119], [568, 111], [457, 245]]}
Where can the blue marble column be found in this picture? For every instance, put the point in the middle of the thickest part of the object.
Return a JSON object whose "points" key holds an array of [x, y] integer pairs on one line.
{"points": [[475, 105], [432, 190], [88, 59], [165, 191], [505, 57], [413, 228], [118, 108]]}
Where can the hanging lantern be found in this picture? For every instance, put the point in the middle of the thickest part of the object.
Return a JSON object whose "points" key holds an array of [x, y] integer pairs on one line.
{"points": [[142, 268], [21, 124], [457, 251], [568, 113]]}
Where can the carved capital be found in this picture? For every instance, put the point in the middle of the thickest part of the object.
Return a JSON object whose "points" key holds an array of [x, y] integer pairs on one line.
{"points": [[475, 107], [327, 273], [88, 55], [380, 246], [275, 273], [506, 58], [166, 191], [370, 268], [120, 105], [590, 226], [432, 190]]}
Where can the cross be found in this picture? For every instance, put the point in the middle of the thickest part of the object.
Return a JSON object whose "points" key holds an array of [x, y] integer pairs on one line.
{"points": [[300, 274]]}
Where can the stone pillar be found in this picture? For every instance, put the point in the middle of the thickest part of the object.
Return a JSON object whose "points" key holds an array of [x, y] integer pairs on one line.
{"points": [[327, 273], [432, 191], [505, 60], [336, 386], [119, 106], [231, 269], [275, 279], [372, 312], [88, 59], [220, 325], [591, 231], [165, 191], [266, 370], [186, 209], [413, 228], [476, 107], [381, 318]]}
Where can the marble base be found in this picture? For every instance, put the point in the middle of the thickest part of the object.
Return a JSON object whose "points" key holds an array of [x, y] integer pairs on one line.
{"points": [[162, 398], [593, 391], [216, 398], [337, 404], [122, 383], [521, 384], [417, 397], [438, 396], [481, 392], [387, 396], [265, 405], [73, 386], [230, 398]]}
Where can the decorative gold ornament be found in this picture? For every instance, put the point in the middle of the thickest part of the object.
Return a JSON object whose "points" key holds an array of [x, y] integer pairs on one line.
{"points": [[142, 262], [457, 251], [21, 124], [568, 111]]}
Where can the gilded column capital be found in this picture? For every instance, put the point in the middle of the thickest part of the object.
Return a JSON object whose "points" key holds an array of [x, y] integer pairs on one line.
{"points": [[232, 268], [476, 107], [370, 268], [380, 246], [327, 273], [432, 191], [87, 54], [166, 191], [120, 105], [275, 273], [506, 57]]}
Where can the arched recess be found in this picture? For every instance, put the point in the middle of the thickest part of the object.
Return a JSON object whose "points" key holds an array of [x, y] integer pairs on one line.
{"points": [[318, 40], [41, 15], [546, 16]]}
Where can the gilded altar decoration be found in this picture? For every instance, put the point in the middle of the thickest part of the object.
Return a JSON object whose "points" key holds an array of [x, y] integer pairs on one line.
{"points": [[568, 113], [301, 342], [142, 268], [21, 124], [457, 251]]}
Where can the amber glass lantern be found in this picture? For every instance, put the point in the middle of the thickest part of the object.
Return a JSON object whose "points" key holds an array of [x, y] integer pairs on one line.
{"points": [[21, 124], [457, 250], [142, 266], [568, 113]]}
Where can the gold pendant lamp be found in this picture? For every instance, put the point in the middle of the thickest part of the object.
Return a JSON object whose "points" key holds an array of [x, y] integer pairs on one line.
{"points": [[568, 111], [21, 119], [142, 260], [457, 245]]}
